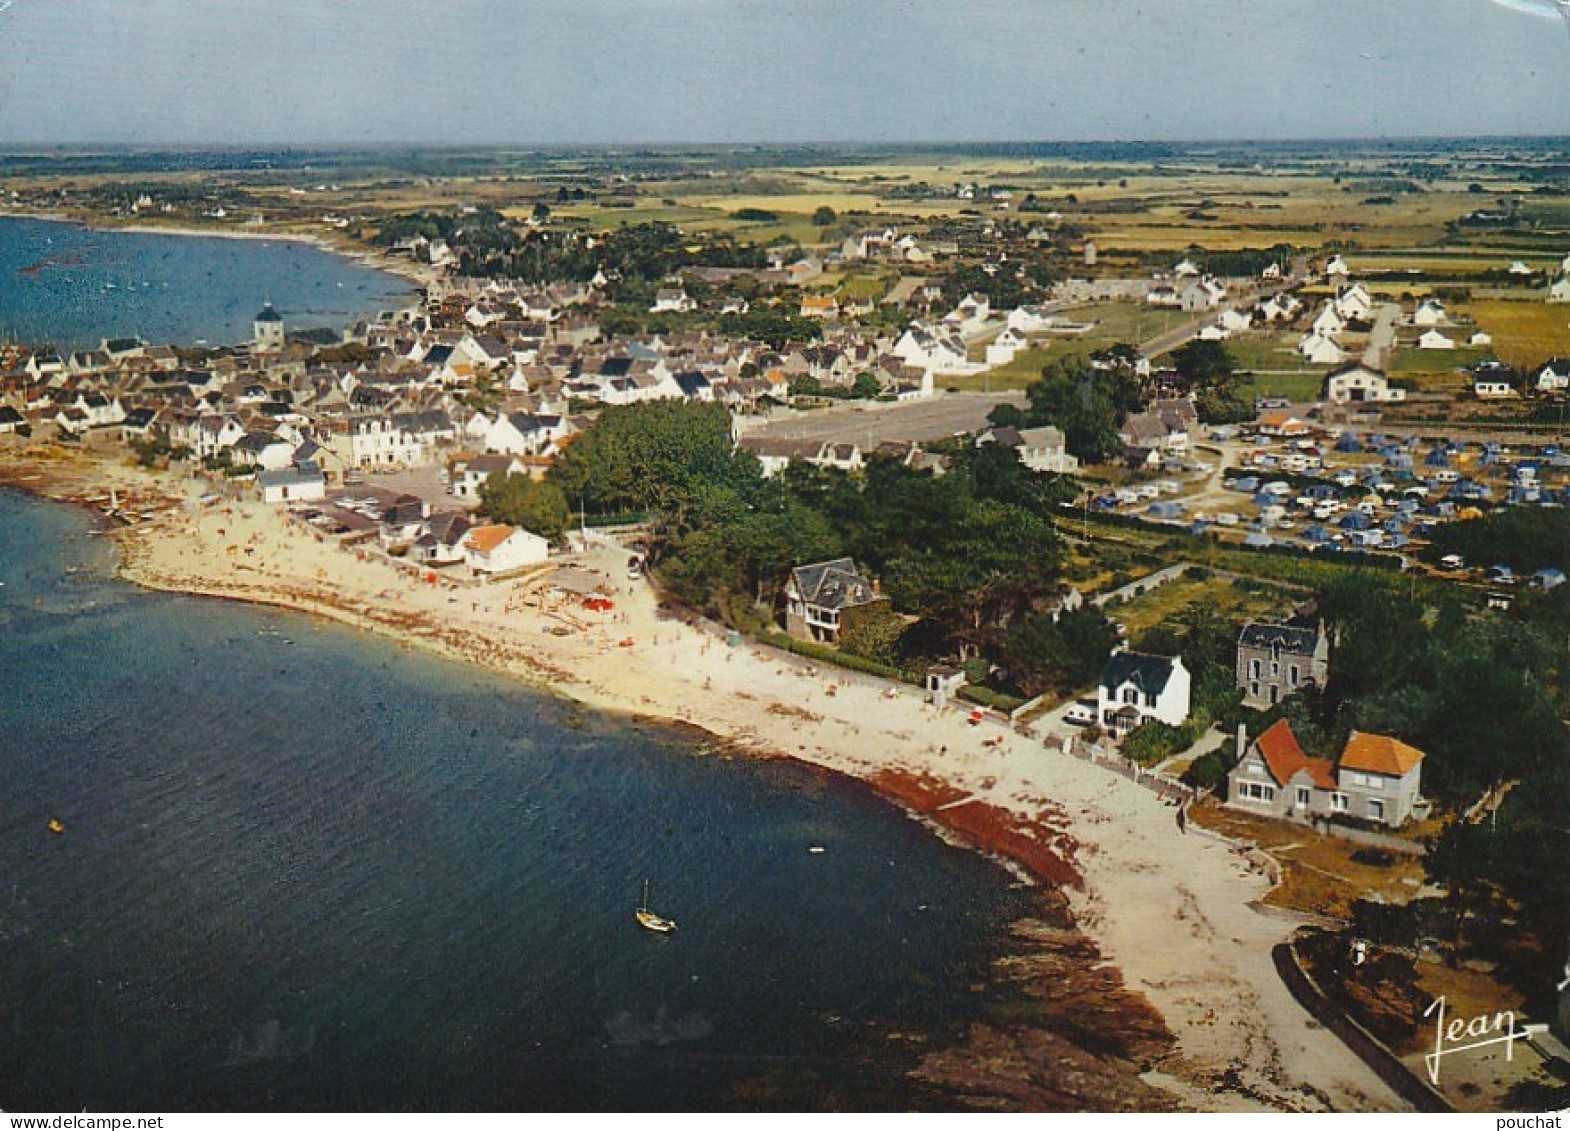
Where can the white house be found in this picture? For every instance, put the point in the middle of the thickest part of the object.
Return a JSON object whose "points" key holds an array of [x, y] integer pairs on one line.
{"points": [[206, 436], [936, 351], [1559, 291], [1430, 312], [467, 477], [1201, 294], [302, 483], [1554, 376], [673, 301], [1354, 302], [1320, 349], [1039, 449], [1328, 322], [1359, 383], [1045, 449], [1031, 320], [1235, 320], [1001, 350], [389, 440], [1492, 389], [971, 315], [1279, 308], [526, 434], [1434, 340], [1136, 688], [1337, 270], [264, 450], [502, 549]]}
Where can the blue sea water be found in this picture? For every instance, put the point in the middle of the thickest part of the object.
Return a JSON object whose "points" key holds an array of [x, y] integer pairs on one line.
{"points": [[304, 868], [74, 286]]}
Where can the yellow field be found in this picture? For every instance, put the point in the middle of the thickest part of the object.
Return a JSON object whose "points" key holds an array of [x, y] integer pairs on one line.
{"points": [[1526, 334], [805, 203]]}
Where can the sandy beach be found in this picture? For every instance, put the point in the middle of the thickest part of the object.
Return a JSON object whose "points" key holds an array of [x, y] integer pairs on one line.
{"points": [[1169, 909]]}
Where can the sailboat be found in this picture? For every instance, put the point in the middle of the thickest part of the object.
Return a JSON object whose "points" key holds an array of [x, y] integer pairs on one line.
{"points": [[648, 920]]}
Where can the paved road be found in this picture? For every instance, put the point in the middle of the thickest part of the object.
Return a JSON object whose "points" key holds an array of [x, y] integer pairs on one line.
{"points": [[1382, 338], [870, 425]]}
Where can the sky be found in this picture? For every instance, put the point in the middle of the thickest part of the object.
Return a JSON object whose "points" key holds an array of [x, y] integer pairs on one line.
{"points": [[550, 72]]}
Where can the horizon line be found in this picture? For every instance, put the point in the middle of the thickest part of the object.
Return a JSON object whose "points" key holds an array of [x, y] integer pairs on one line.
{"points": [[672, 145]]}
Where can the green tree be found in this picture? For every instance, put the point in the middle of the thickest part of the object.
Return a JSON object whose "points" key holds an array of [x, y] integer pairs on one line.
{"points": [[805, 385], [1064, 655], [518, 500], [1082, 407], [824, 216], [1203, 364], [653, 456]]}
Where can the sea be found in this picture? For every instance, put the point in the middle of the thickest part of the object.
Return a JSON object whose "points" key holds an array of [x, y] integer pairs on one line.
{"points": [[73, 286], [305, 868]]}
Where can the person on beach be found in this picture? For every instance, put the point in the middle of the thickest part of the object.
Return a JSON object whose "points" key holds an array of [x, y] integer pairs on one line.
{"points": [[1182, 818]]}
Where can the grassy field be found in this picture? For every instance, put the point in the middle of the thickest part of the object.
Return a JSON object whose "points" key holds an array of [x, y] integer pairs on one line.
{"points": [[1526, 334], [1170, 600], [862, 286], [1255, 352], [1409, 361], [1116, 322], [1300, 387], [1017, 374]]}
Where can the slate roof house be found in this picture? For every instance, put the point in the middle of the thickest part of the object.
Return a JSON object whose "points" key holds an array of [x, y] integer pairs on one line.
{"points": [[1136, 688], [1377, 778], [1275, 660], [823, 599]]}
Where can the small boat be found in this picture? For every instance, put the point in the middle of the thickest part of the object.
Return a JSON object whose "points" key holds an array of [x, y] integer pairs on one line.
{"points": [[56, 826], [648, 920]]}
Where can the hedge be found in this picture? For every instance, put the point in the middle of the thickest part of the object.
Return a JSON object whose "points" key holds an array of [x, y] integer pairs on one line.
{"points": [[834, 656], [994, 700]]}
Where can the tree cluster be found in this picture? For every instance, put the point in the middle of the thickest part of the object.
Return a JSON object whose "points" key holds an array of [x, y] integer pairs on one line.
{"points": [[967, 552]]}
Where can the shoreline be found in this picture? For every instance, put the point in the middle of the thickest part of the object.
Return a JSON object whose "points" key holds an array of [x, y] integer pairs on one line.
{"points": [[371, 258], [1104, 849]]}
